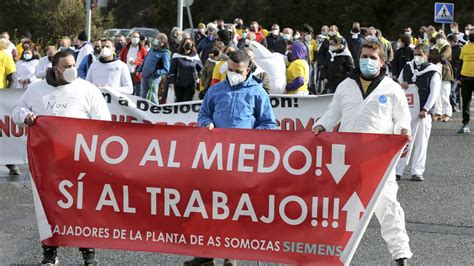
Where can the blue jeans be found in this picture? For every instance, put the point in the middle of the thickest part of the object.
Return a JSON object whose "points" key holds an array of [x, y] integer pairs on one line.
{"points": [[453, 98], [149, 88]]}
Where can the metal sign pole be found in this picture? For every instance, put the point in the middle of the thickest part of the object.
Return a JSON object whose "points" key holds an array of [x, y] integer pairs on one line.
{"points": [[88, 20], [190, 17], [180, 14]]}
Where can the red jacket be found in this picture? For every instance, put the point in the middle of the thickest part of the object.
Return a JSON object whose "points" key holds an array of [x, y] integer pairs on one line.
{"points": [[140, 57], [259, 36]]}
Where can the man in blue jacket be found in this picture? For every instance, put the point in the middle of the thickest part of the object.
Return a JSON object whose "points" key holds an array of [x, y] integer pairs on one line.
{"points": [[239, 101], [155, 65]]}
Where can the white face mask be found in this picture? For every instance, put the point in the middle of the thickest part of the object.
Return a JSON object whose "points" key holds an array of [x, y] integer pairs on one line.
{"points": [[27, 56], [275, 32], [135, 40], [332, 33], [467, 32], [307, 38], [235, 78], [419, 60], [70, 74], [105, 52]]}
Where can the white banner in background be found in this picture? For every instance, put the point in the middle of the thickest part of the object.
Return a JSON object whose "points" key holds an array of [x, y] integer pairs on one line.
{"points": [[12, 137], [291, 112]]}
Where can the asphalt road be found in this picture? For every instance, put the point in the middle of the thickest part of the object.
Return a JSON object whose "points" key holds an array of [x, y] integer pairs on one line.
{"points": [[439, 214]]}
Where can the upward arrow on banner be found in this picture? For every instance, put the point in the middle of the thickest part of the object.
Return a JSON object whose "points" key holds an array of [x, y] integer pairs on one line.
{"points": [[338, 167], [353, 207]]}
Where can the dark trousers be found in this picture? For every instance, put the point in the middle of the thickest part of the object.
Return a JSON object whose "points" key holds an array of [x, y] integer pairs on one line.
{"points": [[312, 80], [184, 94], [467, 87], [136, 85]]}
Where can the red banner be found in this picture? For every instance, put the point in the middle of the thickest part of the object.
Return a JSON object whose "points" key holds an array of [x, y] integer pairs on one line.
{"points": [[278, 196]]}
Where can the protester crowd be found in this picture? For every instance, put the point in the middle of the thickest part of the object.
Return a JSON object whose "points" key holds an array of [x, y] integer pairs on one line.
{"points": [[221, 57], [184, 67]]}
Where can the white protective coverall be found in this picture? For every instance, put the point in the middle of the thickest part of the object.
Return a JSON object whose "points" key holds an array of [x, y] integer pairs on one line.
{"points": [[385, 111], [273, 64]]}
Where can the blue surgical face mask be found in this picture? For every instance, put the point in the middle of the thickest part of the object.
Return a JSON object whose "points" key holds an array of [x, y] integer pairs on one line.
{"points": [[369, 67], [244, 35]]}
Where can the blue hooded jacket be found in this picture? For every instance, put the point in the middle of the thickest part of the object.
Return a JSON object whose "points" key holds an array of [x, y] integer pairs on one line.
{"points": [[245, 105], [156, 63]]}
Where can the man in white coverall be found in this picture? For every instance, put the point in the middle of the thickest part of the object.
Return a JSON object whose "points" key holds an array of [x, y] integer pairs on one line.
{"points": [[60, 94], [368, 101], [427, 77]]}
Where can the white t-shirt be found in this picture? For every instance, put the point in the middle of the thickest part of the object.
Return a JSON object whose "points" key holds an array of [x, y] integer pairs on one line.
{"points": [[40, 71], [26, 70], [132, 55], [113, 74], [79, 99]]}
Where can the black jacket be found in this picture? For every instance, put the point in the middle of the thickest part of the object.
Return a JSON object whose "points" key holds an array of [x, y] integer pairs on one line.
{"points": [[322, 52], [184, 70], [455, 53], [173, 43], [276, 44], [402, 56], [355, 45], [337, 70]]}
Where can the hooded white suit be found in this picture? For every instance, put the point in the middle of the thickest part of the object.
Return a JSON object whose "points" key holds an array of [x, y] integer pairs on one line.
{"points": [[385, 111]]}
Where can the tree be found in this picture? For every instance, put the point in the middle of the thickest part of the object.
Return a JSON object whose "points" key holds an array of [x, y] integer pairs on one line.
{"points": [[49, 20]]}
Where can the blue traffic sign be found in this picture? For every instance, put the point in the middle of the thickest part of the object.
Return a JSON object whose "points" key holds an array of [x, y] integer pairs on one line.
{"points": [[444, 13]]}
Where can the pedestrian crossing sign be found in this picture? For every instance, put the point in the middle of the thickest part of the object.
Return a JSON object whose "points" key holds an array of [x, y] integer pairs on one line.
{"points": [[444, 13]]}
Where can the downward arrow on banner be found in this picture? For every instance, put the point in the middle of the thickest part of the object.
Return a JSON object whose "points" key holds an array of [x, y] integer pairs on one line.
{"points": [[353, 207], [338, 167]]}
